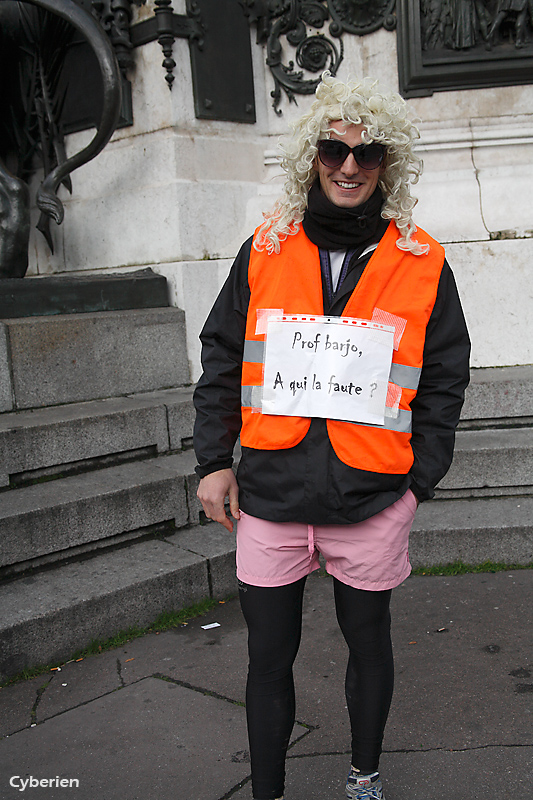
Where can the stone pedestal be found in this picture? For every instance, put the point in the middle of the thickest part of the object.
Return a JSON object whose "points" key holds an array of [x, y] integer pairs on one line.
{"points": [[180, 194]]}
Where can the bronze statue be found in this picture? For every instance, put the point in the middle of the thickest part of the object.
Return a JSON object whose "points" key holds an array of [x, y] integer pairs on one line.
{"points": [[33, 45], [518, 8], [466, 24], [14, 225]]}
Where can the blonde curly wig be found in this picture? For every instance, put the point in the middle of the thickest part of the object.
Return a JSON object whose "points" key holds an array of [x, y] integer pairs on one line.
{"points": [[386, 120]]}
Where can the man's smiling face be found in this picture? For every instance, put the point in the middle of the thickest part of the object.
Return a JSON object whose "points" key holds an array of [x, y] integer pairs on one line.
{"points": [[348, 185]]}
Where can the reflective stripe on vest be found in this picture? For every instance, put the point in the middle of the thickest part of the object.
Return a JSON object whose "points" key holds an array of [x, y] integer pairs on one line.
{"points": [[400, 374], [251, 398], [394, 283]]}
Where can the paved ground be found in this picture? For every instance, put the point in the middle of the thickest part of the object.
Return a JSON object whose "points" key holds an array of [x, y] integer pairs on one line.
{"points": [[162, 718]]}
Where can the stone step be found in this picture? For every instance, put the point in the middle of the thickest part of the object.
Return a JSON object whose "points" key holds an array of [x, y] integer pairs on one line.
{"points": [[59, 519], [473, 531], [48, 616], [497, 394], [81, 436], [70, 358], [488, 459]]}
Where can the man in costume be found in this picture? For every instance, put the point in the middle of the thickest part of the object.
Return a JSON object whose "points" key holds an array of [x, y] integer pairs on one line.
{"points": [[340, 258]]}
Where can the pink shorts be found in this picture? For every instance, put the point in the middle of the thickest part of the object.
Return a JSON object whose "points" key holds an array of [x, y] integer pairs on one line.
{"points": [[372, 554]]}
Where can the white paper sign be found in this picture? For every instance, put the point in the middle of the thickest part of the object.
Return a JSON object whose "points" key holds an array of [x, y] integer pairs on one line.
{"points": [[332, 367]]}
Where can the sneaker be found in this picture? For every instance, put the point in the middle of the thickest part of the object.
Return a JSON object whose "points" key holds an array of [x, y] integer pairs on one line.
{"points": [[364, 787]]}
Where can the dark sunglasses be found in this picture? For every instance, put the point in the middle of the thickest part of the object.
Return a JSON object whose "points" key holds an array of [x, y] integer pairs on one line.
{"points": [[333, 153]]}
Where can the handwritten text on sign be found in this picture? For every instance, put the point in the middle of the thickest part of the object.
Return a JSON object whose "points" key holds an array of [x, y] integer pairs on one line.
{"points": [[332, 367]]}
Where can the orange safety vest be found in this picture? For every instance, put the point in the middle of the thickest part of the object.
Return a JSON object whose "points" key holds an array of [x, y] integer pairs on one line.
{"points": [[396, 282]]}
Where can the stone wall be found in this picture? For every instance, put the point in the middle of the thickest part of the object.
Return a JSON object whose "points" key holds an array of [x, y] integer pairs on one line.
{"points": [[181, 194]]}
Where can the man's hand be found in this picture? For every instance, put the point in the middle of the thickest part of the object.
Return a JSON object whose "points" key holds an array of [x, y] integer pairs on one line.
{"points": [[212, 492]]}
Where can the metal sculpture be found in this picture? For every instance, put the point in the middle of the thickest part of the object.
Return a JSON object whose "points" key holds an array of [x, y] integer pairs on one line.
{"points": [[466, 24], [31, 124], [14, 225], [166, 26], [463, 44], [314, 52]]}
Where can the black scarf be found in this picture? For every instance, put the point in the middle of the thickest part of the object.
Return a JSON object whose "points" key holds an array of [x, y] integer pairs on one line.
{"points": [[334, 228]]}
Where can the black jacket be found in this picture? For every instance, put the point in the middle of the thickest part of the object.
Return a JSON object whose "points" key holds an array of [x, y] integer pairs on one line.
{"points": [[309, 483]]}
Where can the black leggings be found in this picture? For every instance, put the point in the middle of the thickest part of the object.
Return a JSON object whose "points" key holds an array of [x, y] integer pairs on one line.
{"points": [[274, 619]]}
